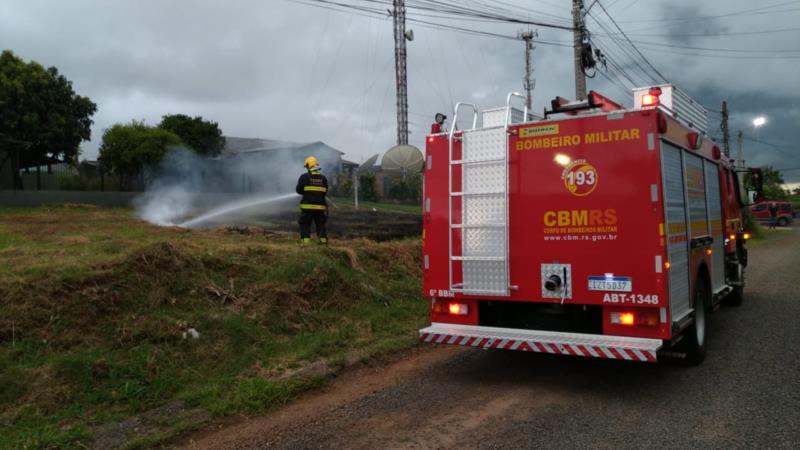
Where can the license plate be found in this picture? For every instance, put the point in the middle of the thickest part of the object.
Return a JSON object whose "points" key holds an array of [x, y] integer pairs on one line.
{"points": [[613, 284]]}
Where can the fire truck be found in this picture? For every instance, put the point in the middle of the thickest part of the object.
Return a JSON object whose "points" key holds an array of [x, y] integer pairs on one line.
{"points": [[591, 231]]}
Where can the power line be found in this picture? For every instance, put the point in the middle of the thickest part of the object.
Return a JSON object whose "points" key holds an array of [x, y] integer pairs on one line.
{"points": [[371, 12], [631, 43], [718, 16], [717, 49], [736, 33]]}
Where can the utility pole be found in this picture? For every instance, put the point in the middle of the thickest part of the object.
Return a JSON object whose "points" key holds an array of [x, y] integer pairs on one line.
{"points": [[740, 161], [740, 156], [578, 34], [726, 138], [530, 83], [400, 37]]}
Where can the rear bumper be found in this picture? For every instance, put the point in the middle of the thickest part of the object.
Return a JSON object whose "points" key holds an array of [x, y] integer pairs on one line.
{"points": [[575, 344]]}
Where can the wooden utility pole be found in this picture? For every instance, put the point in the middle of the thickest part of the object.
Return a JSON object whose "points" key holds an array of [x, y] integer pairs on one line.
{"points": [[726, 138], [578, 33]]}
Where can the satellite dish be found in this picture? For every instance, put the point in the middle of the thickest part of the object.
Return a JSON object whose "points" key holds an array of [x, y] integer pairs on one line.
{"points": [[366, 165], [402, 160], [410, 35]]}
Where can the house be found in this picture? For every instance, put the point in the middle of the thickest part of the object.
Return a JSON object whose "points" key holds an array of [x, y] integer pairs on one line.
{"points": [[264, 165]]}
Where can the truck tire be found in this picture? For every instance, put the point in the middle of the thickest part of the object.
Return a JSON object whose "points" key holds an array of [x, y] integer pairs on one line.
{"points": [[736, 296], [783, 221], [696, 335]]}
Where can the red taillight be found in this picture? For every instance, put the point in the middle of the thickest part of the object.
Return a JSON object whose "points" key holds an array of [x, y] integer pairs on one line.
{"points": [[458, 309]]}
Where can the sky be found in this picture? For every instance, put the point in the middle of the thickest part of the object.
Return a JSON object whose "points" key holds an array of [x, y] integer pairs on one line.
{"points": [[286, 70]]}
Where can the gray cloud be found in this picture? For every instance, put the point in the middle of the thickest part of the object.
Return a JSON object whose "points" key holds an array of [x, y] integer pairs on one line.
{"points": [[281, 70]]}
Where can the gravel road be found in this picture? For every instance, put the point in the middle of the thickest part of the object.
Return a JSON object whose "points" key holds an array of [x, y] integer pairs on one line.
{"points": [[745, 395]]}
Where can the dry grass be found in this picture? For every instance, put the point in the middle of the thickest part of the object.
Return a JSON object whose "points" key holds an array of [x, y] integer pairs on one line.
{"points": [[94, 305]]}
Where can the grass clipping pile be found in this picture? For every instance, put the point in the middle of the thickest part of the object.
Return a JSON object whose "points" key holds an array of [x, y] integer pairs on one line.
{"points": [[104, 318]]}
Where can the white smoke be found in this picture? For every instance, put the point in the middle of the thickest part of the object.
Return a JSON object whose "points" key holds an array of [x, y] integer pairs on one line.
{"points": [[187, 189], [167, 205]]}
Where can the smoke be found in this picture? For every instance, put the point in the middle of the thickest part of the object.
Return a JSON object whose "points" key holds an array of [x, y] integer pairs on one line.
{"points": [[186, 189]]}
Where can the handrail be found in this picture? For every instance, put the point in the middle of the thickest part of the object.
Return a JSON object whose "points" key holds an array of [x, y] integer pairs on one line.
{"points": [[508, 181], [455, 116], [508, 107]]}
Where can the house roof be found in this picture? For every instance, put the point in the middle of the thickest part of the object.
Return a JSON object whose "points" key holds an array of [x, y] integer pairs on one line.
{"points": [[236, 146]]}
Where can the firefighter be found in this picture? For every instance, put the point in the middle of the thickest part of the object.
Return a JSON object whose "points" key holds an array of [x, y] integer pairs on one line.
{"points": [[313, 186]]}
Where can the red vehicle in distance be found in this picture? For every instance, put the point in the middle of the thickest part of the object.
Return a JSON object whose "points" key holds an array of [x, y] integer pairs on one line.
{"points": [[786, 212]]}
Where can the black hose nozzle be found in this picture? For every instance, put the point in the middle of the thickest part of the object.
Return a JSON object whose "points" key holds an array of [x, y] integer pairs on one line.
{"points": [[553, 283]]}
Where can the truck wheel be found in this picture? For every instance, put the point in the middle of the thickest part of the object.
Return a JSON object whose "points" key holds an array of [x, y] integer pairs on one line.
{"points": [[695, 336], [783, 221], [736, 296]]}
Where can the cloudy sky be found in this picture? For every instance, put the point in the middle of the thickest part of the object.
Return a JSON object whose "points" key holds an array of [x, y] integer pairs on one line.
{"points": [[287, 70]]}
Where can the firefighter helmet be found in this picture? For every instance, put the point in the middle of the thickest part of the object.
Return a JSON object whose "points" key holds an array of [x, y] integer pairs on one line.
{"points": [[310, 162]]}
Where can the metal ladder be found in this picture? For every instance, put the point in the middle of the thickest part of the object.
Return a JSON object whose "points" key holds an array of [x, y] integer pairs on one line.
{"points": [[483, 199]]}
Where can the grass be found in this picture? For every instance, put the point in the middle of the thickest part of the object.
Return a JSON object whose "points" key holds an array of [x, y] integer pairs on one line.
{"points": [[379, 206], [94, 305]]}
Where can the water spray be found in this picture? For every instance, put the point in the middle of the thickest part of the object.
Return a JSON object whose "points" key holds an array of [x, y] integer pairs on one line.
{"points": [[234, 207]]}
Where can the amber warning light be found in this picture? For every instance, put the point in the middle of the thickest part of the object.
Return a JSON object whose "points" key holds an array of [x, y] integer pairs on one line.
{"points": [[630, 318]]}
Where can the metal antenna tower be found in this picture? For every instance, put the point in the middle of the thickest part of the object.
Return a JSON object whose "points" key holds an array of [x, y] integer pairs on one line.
{"points": [[529, 82], [400, 37]]}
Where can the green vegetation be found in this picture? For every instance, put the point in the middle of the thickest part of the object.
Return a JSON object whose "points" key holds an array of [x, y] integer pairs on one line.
{"points": [[344, 202], [97, 313], [202, 136], [771, 184], [40, 112], [129, 148]]}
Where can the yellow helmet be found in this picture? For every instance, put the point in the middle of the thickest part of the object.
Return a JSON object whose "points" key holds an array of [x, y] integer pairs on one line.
{"points": [[310, 162]]}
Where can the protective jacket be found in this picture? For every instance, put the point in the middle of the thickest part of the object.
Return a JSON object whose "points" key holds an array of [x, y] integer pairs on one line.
{"points": [[313, 186]]}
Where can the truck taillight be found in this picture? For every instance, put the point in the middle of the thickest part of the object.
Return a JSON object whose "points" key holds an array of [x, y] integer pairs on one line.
{"points": [[631, 318], [458, 309]]}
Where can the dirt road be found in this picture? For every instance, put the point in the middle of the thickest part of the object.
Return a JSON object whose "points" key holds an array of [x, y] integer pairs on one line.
{"points": [[746, 393]]}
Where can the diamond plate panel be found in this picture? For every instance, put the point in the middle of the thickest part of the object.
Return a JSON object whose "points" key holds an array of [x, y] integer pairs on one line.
{"points": [[484, 242], [485, 178], [485, 275], [485, 209], [484, 143]]}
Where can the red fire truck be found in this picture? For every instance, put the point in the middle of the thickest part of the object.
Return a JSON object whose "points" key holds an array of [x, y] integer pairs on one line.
{"points": [[592, 231]]}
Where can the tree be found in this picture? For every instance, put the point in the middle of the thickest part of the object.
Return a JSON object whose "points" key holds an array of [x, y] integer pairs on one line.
{"points": [[202, 136], [772, 182], [129, 149], [366, 188], [39, 107], [408, 190]]}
